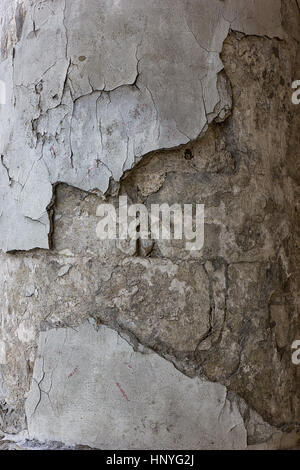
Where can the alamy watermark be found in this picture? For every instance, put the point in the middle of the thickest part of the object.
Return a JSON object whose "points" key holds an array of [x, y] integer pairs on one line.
{"points": [[296, 343], [296, 353], [161, 222], [296, 94]]}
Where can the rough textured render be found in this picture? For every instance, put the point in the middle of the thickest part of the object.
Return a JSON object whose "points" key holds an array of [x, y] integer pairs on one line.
{"points": [[165, 101]]}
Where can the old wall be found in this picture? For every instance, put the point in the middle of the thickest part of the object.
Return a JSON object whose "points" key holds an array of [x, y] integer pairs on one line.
{"points": [[165, 102]]}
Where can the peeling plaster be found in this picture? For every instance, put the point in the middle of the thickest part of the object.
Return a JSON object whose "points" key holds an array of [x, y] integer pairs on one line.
{"points": [[83, 106], [123, 399]]}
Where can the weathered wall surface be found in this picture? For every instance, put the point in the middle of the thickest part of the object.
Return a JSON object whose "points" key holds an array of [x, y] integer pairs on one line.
{"points": [[123, 79], [145, 74]]}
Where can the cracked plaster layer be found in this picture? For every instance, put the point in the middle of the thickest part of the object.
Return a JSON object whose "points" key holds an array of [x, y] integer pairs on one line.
{"points": [[93, 86], [91, 388]]}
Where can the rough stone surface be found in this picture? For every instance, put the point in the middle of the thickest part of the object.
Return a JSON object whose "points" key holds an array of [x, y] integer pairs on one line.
{"points": [[227, 314]]}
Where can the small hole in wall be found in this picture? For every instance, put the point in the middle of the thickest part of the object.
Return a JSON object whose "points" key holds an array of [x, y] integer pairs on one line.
{"points": [[188, 154]]}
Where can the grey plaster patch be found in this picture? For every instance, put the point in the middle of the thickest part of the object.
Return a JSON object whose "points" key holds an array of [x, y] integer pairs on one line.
{"points": [[90, 387]]}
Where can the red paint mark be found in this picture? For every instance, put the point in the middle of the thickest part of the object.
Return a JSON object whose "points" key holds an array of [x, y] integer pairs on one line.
{"points": [[93, 167], [122, 391], [74, 372]]}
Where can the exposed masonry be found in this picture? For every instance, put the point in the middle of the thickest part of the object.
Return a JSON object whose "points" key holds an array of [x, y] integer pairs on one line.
{"points": [[227, 314]]}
